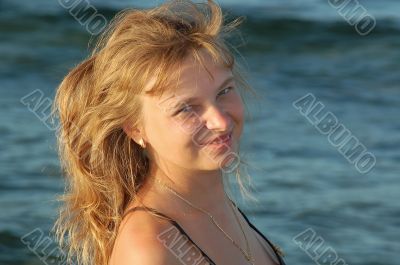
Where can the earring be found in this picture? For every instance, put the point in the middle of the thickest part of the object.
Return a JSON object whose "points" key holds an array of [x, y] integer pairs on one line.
{"points": [[142, 144]]}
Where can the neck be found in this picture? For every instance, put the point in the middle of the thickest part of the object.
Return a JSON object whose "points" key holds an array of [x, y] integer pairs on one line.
{"points": [[203, 189]]}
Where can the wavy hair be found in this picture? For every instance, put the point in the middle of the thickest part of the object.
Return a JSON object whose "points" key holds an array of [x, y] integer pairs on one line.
{"points": [[104, 168]]}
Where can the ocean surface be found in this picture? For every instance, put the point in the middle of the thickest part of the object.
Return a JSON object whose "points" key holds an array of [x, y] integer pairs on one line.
{"points": [[306, 187]]}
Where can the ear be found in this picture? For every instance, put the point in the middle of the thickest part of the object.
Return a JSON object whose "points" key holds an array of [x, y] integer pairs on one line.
{"points": [[133, 132]]}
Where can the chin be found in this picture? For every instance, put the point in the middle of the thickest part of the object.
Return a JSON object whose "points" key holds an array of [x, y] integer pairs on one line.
{"points": [[226, 161]]}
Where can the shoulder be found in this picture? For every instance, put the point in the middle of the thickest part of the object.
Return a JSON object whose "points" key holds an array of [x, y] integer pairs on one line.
{"points": [[142, 239]]}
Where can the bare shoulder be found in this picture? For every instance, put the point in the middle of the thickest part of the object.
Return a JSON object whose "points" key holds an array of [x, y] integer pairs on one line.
{"points": [[141, 240]]}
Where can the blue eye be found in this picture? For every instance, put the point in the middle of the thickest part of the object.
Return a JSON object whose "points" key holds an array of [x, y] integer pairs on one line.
{"points": [[186, 108], [225, 91]]}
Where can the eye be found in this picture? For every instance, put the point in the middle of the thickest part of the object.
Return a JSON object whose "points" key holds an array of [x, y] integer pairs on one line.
{"points": [[184, 109], [225, 91]]}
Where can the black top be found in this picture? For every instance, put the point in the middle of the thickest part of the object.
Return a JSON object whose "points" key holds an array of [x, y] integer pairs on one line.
{"points": [[277, 251]]}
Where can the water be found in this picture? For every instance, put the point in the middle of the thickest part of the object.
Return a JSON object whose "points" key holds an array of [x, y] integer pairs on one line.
{"points": [[301, 180]]}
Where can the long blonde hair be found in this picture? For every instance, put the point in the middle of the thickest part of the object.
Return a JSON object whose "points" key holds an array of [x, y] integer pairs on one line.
{"points": [[104, 168]]}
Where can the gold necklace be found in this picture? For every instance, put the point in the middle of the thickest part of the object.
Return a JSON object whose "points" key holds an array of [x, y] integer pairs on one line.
{"points": [[247, 255]]}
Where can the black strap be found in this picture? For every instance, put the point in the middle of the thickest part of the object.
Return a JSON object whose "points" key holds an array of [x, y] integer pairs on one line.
{"points": [[145, 208], [281, 261], [173, 222]]}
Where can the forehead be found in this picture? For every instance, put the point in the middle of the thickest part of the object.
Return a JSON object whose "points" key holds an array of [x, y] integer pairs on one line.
{"points": [[195, 77], [194, 74]]}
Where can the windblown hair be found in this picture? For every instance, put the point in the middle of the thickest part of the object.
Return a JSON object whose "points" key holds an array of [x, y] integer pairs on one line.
{"points": [[104, 167]]}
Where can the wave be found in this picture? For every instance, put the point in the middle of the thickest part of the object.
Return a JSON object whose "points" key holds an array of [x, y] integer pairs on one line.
{"points": [[254, 25]]}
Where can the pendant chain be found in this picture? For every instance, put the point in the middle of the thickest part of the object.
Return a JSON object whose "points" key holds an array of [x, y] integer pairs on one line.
{"points": [[247, 254]]}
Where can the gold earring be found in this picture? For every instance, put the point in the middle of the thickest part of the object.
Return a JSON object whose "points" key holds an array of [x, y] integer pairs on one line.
{"points": [[142, 144]]}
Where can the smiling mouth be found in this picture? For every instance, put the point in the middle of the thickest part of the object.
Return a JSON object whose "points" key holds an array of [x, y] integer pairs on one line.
{"points": [[224, 139]]}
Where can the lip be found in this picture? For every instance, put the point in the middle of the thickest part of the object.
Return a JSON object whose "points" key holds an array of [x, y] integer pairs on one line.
{"points": [[226, 140]]}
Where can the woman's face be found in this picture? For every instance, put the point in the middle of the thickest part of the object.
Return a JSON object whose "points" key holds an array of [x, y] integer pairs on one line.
{"points": [[179, 125]]}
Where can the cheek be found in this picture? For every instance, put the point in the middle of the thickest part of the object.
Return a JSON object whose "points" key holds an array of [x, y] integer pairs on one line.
{"points": [[236, 108], [180, 130], [170, 136], [154, 133], [188, 124]]}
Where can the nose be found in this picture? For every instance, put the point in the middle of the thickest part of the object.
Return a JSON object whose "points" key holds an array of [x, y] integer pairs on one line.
{"points": [[216, 119]]}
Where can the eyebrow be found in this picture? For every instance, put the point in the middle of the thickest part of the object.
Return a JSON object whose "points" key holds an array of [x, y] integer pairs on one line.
{"points": [[191, 99]]}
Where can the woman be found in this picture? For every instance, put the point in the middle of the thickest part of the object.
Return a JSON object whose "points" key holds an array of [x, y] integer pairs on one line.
{"points": [[150, 125]]}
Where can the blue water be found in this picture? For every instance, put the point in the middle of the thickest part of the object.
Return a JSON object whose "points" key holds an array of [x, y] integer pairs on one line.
{"points": [[293, 48]]}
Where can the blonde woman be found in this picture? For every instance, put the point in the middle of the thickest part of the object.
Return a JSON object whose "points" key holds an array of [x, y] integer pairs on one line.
{"points": [[150, 126]]}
